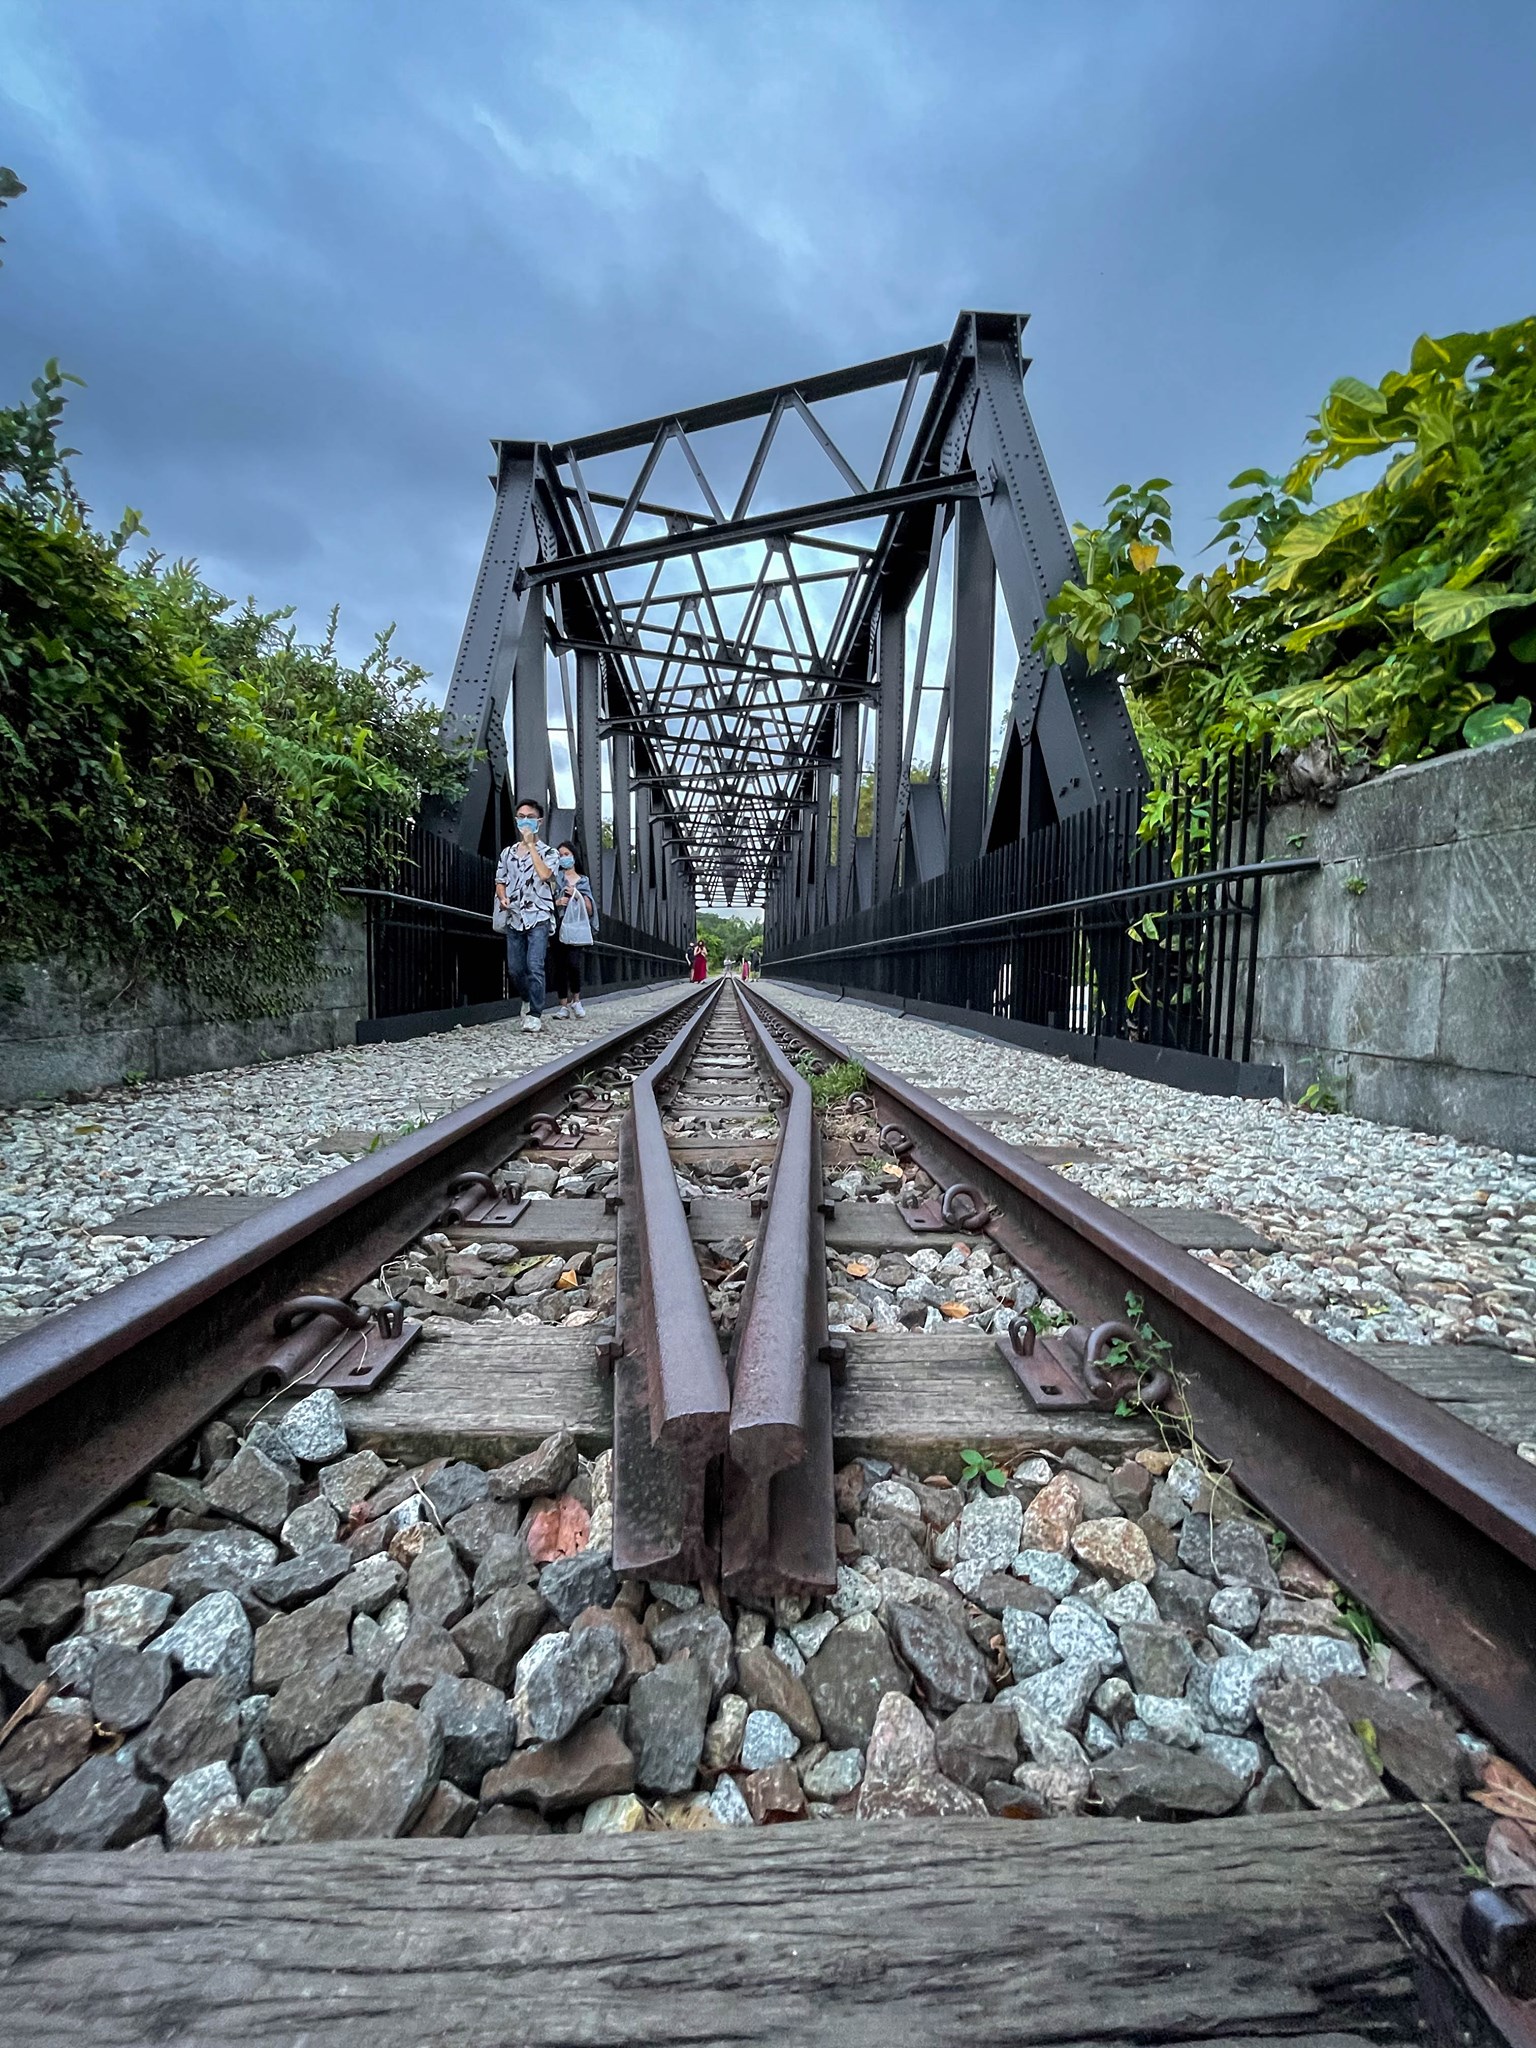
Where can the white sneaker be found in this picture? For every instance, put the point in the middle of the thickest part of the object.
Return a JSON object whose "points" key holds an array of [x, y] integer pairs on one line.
{"points": [[562, 1011], [576, 1009], [533, 1023]]}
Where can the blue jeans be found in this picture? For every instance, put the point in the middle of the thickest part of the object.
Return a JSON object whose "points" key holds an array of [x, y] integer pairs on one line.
{"points": [[526, 953]]}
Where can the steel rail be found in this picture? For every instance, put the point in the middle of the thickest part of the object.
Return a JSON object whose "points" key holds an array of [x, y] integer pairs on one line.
{"points": [[768, 1393], [93, 1397], [690, 1394], [1425, 1521], [779, 1532]]}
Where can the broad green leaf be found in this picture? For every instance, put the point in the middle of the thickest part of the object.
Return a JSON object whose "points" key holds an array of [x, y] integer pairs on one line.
{"points": [[1442, 614], [1355, 393], [1497, 722], [1293, 643], [1449, 355], [1524, 649], [1306, 540]]}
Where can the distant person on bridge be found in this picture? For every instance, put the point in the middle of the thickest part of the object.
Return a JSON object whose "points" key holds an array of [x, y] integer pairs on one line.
{"points": [[576, 927], [700, 969], [525, 899], [746, 966]]}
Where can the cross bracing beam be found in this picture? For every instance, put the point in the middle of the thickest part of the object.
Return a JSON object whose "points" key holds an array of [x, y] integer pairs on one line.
{"points": [[734, 680], [729, 533]]}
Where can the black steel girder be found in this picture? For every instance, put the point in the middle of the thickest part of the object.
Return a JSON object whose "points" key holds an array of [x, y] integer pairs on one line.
{"points": [[728, 675]]}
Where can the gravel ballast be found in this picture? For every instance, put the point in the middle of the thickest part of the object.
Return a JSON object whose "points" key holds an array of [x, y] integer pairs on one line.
{"points": [[1386, 1235], [68, 1168]]}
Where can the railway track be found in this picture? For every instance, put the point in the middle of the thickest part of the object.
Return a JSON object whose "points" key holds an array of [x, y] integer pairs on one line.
{"points": [[736, 1211]]}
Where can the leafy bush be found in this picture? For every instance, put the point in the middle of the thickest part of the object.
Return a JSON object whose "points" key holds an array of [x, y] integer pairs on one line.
{"points": [[1395, 623], [187, 785], [727, 938]]}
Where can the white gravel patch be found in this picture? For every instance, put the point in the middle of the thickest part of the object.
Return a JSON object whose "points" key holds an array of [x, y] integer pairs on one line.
{"points": [[66, 1168], [1387, 1235]]}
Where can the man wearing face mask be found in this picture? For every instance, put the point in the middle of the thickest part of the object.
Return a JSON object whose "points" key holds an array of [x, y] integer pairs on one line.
{"points": [[525, 896]]}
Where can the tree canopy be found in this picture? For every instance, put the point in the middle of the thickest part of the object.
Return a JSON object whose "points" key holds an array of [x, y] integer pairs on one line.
{"points": [[188, 783], [1393, 623]]}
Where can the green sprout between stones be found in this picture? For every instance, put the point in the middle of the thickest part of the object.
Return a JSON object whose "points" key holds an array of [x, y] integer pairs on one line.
{"points": [[980, 1465], [1359, 1623]]}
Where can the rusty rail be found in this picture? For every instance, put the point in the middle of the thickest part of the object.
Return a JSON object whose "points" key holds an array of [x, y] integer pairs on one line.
{"points": [[95, 1396], [1428, 1523], [690, 1395], [780, 1515], [768, 1393], [671, 1396]]}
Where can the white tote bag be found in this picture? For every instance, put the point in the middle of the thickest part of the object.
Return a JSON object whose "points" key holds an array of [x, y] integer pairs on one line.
{"points": [[576, 924]]}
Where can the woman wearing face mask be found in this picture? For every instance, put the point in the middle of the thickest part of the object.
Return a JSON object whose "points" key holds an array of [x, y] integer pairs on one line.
{"points": [[575, 928]]}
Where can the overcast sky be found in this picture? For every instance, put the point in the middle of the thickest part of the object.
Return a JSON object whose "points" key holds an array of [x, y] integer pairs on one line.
{"points": [[309, 255]]}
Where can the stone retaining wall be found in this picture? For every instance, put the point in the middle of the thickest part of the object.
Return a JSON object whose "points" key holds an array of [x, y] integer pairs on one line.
{"points": [[1403, 972], [62, 1029]]}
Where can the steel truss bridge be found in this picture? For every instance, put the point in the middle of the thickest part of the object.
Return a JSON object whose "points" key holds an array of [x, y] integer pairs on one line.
{"points": [[728, 633]]}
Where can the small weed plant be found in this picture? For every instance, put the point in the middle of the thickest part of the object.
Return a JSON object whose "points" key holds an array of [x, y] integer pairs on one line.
{"points": [[979, 1465], [836, 1084]]}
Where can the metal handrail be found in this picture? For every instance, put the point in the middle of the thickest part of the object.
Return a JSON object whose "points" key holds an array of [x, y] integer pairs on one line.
{"points": [[1040, 913], [599, 944]]}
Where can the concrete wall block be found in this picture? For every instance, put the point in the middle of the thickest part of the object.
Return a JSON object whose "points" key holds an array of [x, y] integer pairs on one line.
{"points": [[43, 1068], [233, 1042], [1404, 908], [38, 999], [1488, 1014], [1425, 1095], [1495, 787], [63, 1027], [1389, 1007], [1492, 906]]}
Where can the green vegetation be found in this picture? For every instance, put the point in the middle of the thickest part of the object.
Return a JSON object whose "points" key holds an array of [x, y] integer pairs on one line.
{"points": [[727, 938], [1359, 1623], [840, 1081], [187, 784], [1322, 1097], [1149, 1350], [979, 1465], [1391, 624]]}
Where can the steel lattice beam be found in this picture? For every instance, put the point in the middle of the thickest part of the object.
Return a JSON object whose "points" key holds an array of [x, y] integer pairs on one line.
{"points": [[734, 677]]}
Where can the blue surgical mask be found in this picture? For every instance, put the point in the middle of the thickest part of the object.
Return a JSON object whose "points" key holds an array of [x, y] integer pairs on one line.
{"points": [[567, 860], [527, 824]]}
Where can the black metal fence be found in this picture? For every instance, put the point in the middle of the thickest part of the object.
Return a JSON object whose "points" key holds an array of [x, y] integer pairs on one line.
{"points": [[1134, 923], [431, 948]]}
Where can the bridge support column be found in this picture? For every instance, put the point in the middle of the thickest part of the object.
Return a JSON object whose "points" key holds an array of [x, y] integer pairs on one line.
{"points": [[890, 768]]}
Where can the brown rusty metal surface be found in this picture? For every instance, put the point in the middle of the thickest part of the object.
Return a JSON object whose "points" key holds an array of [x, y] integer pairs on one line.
{"points": [[786, 1542], [1047, 1375], [96, 1395], [690, 1395], [772, 1351], [656, 1509], [1430, 1525], [1459, 2007]]}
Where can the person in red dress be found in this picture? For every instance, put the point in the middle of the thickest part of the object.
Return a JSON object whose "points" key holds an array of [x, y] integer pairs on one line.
{"points": [[700, 962]]}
